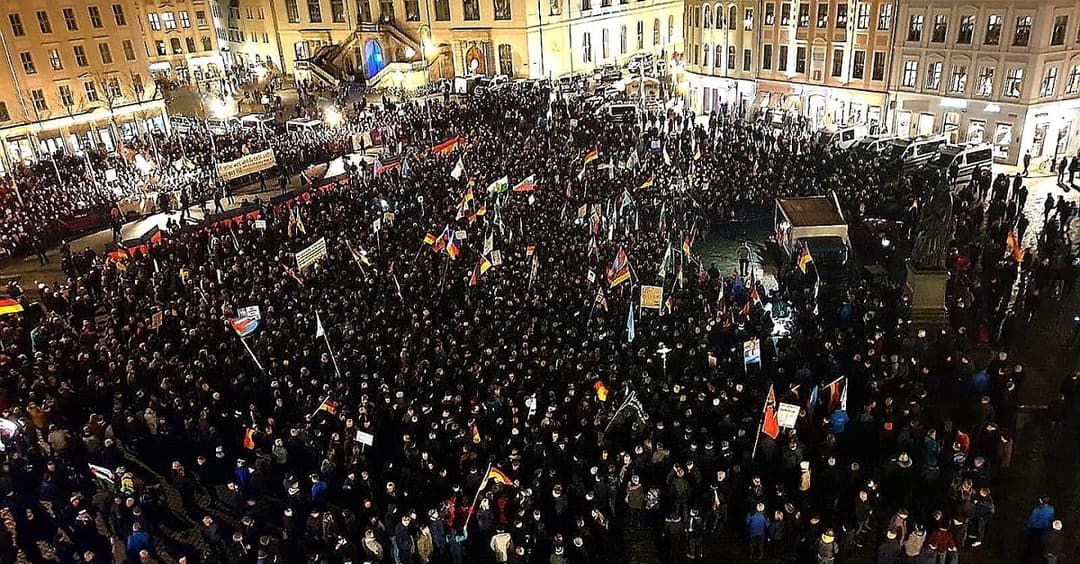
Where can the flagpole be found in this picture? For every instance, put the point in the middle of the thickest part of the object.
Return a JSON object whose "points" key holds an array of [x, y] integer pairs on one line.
{"points": [[326, 338], [252, 353], [761, 425], [472, 508], [442, 280]]}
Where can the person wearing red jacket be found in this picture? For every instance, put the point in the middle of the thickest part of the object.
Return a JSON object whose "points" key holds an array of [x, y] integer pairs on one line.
{"points": [[943, 545]]}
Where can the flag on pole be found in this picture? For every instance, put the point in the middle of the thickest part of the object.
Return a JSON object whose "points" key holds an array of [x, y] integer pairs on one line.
{"points": [[687, 242], [499, 185], [601, 390], [476, 438], [9, 306], [429, 239], [528, 184], [770, 423], [459, 170], [244, 326], [601, 300], [498, 476], [591, 156], [319, 331], [837, 393], [446, 146], [620, 269], [328, 406], [665, 262], [647, 184], [630, 325], [249, 438], [485, 265], [805, 259], [442, 240], [452, 247], [103, 474]]}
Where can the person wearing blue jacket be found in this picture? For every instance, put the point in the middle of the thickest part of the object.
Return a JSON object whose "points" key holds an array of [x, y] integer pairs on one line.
{"points": [[138, 541], [757, 524], [1039, 522]]}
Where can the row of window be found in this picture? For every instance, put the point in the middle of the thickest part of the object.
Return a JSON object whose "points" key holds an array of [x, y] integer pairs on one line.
{"points": [[238, 36], [56, 61], [862, 15], [605, 40], [168, 20], [782, 63], [984, 81], [1021, 36], [718, 58], [315, 11], [732, 17], [71, 19], [175, 47], [110, 92]]}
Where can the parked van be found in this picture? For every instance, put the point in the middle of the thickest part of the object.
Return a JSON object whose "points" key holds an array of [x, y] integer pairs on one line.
{"points": [[262, 124], [622, 113], [873, 145], [841, 139], [221, 126], [963, 160], [908, 154], [303, 125]]}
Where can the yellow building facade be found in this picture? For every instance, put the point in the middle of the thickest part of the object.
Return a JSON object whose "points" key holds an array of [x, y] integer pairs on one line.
{"points": [[75, 75], [519, 38]]}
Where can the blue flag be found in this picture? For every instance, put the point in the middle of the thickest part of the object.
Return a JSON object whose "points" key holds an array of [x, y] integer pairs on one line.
{"points": [[812, 404], [630, 325]]}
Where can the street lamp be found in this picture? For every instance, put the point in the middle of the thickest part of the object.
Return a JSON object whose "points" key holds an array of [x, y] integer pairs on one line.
{"points": [[332, 117]]}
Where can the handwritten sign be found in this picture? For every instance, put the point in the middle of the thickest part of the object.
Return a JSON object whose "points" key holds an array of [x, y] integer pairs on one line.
{"points": [[651, 297]]}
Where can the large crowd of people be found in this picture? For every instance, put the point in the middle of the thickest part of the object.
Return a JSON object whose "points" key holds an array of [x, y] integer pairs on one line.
{"points": [[470, 381]]}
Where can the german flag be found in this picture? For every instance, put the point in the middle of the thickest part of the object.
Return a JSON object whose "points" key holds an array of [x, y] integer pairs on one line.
{"points": [[499, 476], [591, 156], [485, 264], [475, 435], [429, 239], [805, 259], [647, 184], [529, 250], [446, 146], [688, 241], [601, 390], [328, 406]]}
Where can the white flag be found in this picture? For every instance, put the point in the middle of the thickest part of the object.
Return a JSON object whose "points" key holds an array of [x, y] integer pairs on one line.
{"points": [[459, 169], [319, 331]]}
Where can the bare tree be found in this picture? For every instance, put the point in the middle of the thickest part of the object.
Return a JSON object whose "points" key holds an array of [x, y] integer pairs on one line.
{"points": [[110, 94]]}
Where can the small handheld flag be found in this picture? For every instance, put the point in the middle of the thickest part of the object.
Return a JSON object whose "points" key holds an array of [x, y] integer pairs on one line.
{"points": [[244, 326], [630, 325], [528, 184], [805, 259], [591, 156]]}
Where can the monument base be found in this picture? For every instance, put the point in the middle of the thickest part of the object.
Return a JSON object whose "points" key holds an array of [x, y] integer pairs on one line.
{"points": [[926, 286]]}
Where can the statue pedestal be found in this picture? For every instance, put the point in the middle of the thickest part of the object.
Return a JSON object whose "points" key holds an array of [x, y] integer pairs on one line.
{"points": [[926, 286]]}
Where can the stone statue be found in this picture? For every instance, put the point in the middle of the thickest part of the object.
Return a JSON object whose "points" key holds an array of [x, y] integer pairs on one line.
{"points": [[934, 230]]}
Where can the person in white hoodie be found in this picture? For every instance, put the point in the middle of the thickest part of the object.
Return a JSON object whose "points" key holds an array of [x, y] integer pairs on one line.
{"points": [[501, 545]]}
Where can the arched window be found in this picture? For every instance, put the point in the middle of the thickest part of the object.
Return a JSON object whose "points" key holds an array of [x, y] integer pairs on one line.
{"points": [[706, 17], [640, 35], [705, 55], [670, 28], [719, 11], [732, 15], [731, 57], [718, 57], [656, 31]]}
